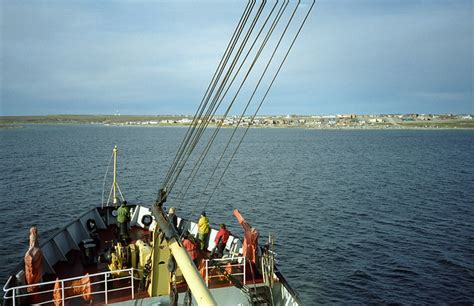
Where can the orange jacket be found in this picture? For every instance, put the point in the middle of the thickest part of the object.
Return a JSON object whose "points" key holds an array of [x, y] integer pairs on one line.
{"points": [[192, 248]]}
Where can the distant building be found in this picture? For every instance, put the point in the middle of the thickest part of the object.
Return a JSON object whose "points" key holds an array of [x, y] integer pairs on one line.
{"points": [[375, 120], [167, 121], [350, 116], [424, 117], [185, 121], [228, 122]]}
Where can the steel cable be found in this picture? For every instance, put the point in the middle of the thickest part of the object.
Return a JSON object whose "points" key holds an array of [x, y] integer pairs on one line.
{"points": [[253, 94], [264, 97], [215, 102], [219, 68], [207, 110], [196, 120], [277, 19], [267, 37], [197, 166]]}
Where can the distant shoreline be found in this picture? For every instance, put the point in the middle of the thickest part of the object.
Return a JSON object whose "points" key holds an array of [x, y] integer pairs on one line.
{"points": [[374, 128], [338, 122]]}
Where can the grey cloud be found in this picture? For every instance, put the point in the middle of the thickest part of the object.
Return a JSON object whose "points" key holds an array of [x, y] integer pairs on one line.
{"points": [[89, 57]]}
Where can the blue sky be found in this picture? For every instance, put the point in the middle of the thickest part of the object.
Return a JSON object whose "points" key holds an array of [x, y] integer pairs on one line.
{"points": [[157, 57]]}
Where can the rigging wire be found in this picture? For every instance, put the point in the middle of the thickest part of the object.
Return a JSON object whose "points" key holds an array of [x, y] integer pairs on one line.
{"points": [[211, 110], [212, 107], [220, 67], [104, 181], [112, 187], [207, 110], [196, 119], [268, 35], [253, 94], [181, 193], [275, 22], [263, 99], [204, 101]]}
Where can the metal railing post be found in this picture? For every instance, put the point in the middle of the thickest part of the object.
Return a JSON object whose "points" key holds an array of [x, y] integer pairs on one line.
{"points": [[131, 279], [105, 291], [62, 293], [207, 273], [244, 268], [17, 294]]}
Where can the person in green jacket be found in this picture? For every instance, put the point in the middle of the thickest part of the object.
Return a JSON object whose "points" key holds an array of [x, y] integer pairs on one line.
{"points": [[122, 219], [203, 230]]}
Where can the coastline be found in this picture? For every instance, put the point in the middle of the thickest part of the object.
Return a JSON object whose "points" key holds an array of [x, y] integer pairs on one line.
{"points": [[362, 122], [16, 126]]}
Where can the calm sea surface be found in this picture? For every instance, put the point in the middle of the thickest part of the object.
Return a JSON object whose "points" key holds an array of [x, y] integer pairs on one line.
{"points": [[359, 216]]}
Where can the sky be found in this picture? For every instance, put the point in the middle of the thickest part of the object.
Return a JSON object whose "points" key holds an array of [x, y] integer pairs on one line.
{"points": [[157, 57]]}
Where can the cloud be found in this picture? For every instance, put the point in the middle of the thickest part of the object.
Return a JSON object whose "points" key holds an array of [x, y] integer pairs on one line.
{"points": [[146, 57], [379, 54]]}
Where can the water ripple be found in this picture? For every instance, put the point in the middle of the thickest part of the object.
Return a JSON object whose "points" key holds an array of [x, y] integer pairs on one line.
{"points": [[360, 217]]}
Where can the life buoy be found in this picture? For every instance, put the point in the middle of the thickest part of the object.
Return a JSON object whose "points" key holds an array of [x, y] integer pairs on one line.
{"points": [[147, 220]]}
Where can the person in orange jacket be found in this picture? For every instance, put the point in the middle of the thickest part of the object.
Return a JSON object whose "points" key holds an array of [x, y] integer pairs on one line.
{"points": [[192, 246], [250, 244]]}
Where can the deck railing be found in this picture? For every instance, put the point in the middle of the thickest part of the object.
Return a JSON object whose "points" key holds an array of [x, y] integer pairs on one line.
{"points": [[12, 294], [106, 278], [238, 263]]}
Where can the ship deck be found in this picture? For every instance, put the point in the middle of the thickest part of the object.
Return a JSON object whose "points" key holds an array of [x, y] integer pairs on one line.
{"points": [[231, 280], [121, 288]]}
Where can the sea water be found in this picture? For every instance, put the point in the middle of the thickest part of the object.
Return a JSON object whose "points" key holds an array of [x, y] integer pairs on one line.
{"points": [[379, 216]]}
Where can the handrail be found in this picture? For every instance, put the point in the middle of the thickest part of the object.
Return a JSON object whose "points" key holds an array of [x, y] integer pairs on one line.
{"points": [[71, 278], [105, 274], [8, 281], [241, 264], [69, 287]]}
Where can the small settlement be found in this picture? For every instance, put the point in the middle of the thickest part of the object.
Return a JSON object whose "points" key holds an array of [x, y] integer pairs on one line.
{"points": [[329, 121]]}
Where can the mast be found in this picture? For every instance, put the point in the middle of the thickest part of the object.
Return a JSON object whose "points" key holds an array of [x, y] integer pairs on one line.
{"points": [[114, 184], [115, 194]]}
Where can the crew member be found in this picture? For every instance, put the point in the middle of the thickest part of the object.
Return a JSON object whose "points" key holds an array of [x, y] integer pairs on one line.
{"points": [[122, 219], [173, 218], [250, 244], [192, 247], [221, 240], [203, 230]]}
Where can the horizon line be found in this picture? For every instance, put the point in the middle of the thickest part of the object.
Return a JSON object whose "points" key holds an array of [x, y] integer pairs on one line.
{"points": [[259, 115]]}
